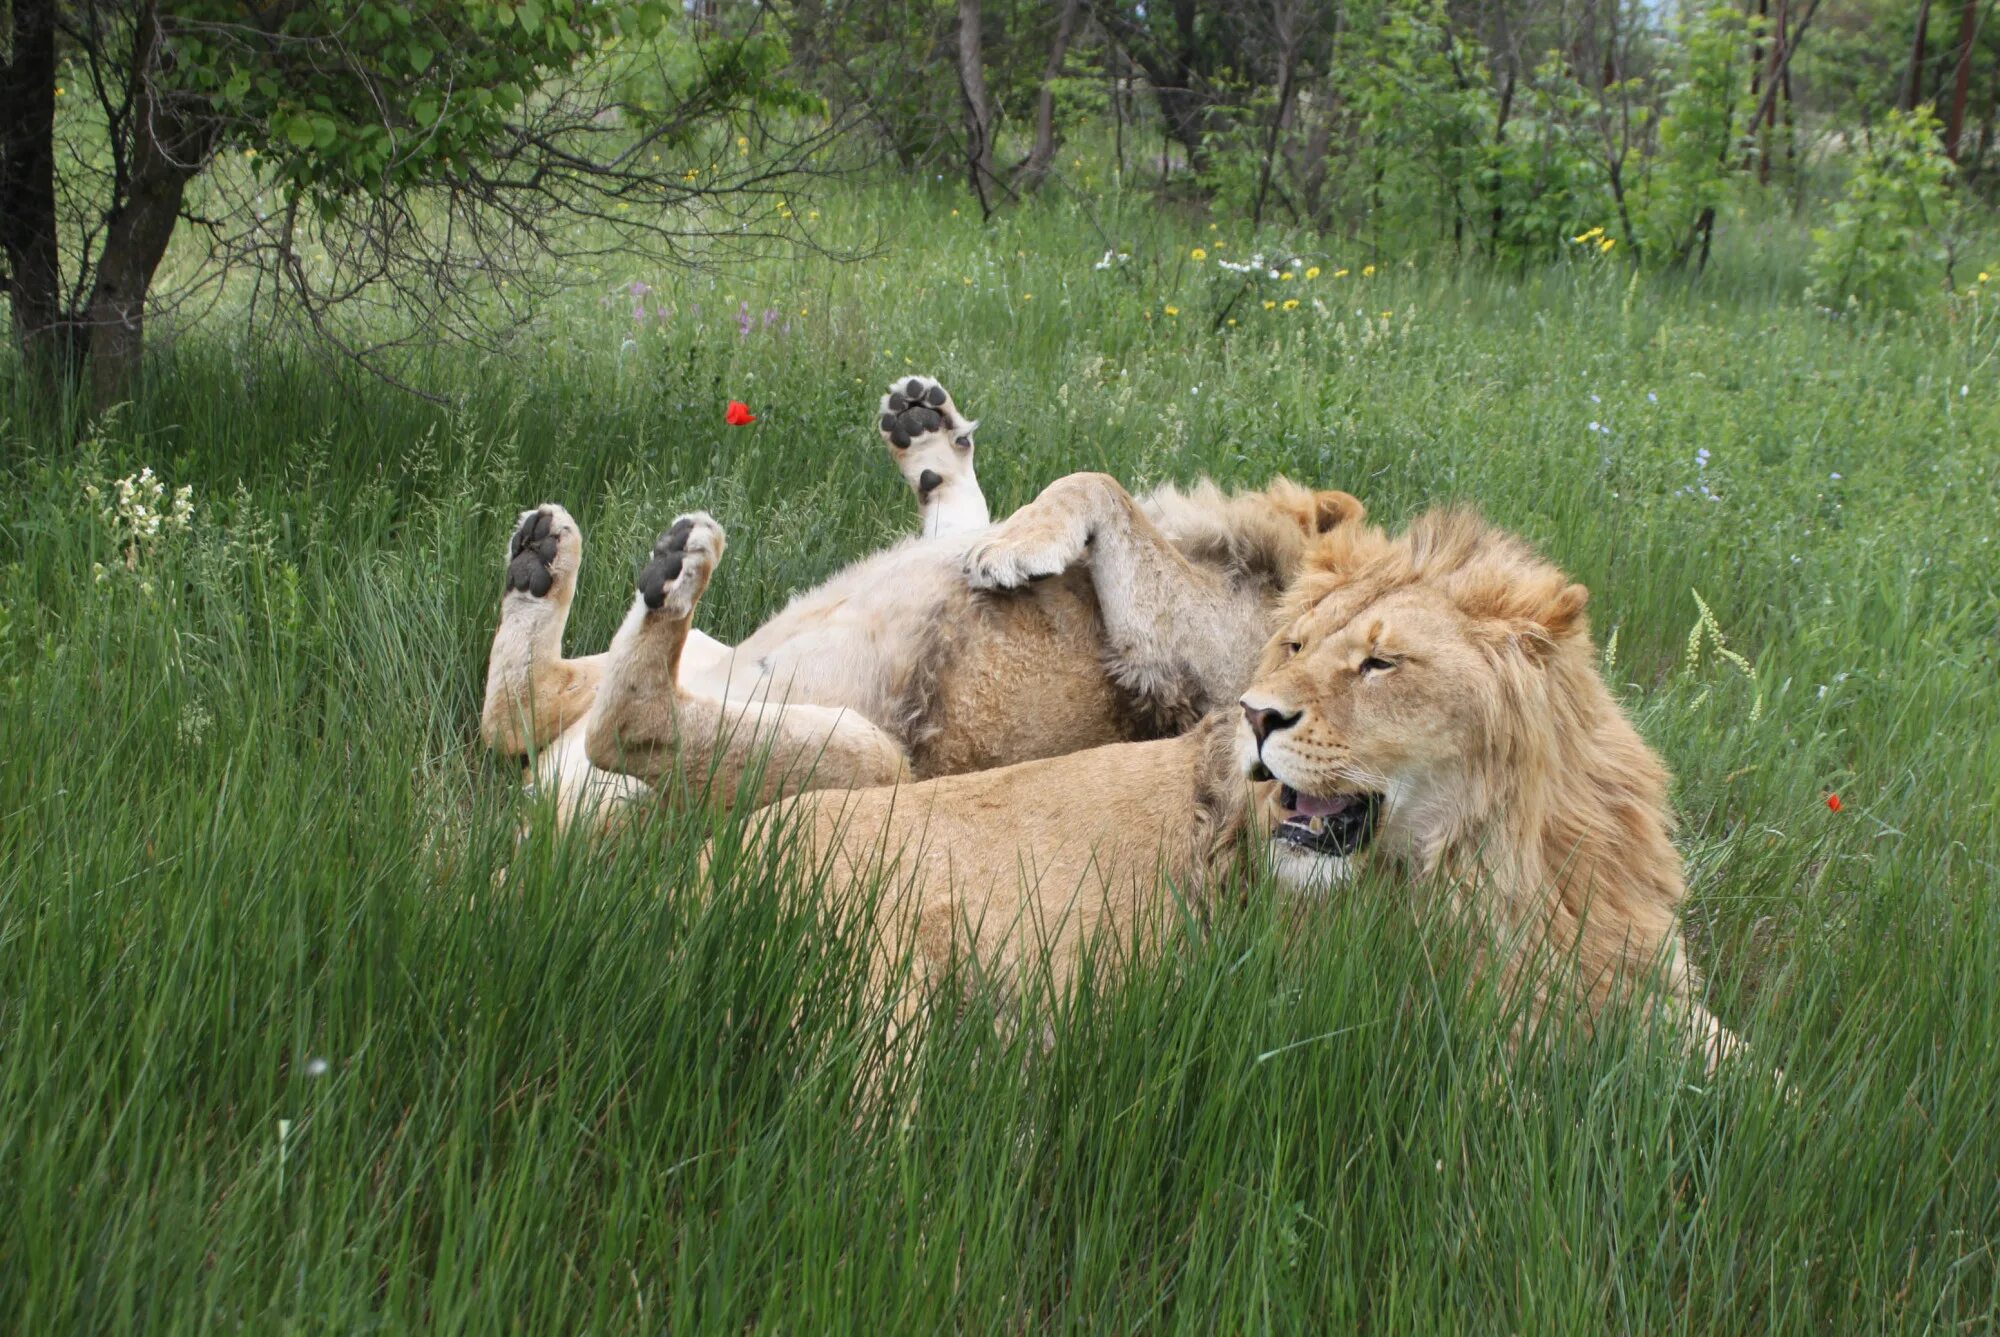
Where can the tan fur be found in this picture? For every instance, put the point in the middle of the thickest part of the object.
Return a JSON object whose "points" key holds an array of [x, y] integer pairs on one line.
{"points": [[1510, 774], [898, 665], [1020, 867]]}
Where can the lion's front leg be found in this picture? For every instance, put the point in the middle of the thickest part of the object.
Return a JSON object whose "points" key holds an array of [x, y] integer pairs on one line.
{"points": [[648, 723], [1181, 638], [532, 693]]}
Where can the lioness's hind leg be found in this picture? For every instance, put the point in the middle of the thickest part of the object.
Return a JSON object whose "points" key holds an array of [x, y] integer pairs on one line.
{"points": [[532, 692], [683, 560], [931, 443], [636, 715]]}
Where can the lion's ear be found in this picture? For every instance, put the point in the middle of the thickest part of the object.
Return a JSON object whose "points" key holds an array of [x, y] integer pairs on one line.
{"points": [[1549, 622], [1561, 615], [1331, 509]]}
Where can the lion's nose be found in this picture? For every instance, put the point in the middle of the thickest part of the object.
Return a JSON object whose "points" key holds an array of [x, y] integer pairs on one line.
{"points": [[1265, 721], [927, 483]]}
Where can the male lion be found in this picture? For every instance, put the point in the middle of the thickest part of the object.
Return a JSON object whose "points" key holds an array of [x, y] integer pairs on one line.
{"points": [[1150, 615], [1431, 701]]}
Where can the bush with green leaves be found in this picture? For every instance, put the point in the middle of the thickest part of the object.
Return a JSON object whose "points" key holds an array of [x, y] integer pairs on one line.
{"points": [[1686, 180], [1890, 241]]}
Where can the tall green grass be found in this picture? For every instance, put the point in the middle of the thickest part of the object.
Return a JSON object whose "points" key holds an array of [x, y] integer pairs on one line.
{"points": [[277, 1053]]}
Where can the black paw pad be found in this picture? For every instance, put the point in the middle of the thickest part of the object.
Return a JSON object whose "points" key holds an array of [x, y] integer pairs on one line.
{"points": [[913, 411], [531, 550], [665, 568], [927, 482]]}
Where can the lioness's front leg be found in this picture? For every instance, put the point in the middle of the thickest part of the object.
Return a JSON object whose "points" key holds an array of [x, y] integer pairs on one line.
{"points": [[532, 692], [647, 724], [1182, 638], [931, 443]]}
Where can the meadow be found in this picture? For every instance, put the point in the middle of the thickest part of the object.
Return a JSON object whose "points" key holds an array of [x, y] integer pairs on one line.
{"points": [[277, 1054]]}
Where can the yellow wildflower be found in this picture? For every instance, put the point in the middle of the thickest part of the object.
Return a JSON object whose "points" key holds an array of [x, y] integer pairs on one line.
{"points": [[812, 215], [1291, 304], [1367, 271], [1285, 277], [1173, 311], [954, 213], [1211, 227], [1983, 276], [1588, 236], [968, 280], [1027, 297], [61, 91], [1197, 254], [1607, 244], [743, 142], [1232, 320], [1340, 273], [249, 153], [1312, 271], [1270, 305], [1387, 314]]}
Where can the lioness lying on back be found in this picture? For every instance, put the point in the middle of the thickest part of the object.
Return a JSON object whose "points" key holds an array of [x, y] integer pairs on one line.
{"points": [[1430, 701], [1150, 614]]}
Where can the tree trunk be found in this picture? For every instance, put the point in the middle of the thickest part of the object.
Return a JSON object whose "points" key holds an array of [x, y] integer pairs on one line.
{"points": [[978, 105], [1913, 78], [133, 247], [1968, 32], [167, 151], [1036, 165], [1176, 81], [28, 233]]}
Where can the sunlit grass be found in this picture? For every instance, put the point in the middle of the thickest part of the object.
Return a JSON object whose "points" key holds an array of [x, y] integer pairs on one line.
{"points": [[277, 1052]]}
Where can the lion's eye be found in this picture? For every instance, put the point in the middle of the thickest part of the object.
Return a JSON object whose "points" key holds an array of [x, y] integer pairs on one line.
{"points": [[1293, 647], [1376, 664]]}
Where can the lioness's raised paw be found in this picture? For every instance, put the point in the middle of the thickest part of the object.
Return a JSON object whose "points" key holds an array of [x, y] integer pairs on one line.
{"points": [[917, 406], [543, 554], [682, 561], [931, 442]]}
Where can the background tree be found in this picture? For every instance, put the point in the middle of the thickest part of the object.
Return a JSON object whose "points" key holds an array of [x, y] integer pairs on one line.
{"points": [[411, 156]]}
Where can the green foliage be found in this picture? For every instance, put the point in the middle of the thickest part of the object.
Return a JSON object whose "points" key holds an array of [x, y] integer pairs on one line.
{"points": [[378, 95], [279, 1053], [1544, 179], [1889, 241], [1701, 135]]}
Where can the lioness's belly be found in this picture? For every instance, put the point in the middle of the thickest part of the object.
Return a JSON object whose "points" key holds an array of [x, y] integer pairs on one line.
{"points": [[964, 681]]}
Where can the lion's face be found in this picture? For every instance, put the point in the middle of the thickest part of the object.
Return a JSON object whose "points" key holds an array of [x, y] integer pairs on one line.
{"points": [[1385, 693]]}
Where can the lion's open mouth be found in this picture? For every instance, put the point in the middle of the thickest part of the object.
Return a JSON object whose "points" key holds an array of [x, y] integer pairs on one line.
{"points": [[1340, 825]]}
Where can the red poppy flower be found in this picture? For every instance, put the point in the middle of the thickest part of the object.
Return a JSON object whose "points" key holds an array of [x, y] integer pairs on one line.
{"points": [[739, 414], [1833, 802]]}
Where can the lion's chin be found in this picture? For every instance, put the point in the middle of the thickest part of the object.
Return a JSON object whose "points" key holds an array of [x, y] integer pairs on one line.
{"points": [[1301, 870]]}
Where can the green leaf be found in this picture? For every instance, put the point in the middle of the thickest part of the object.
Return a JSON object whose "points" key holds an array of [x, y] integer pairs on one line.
{"points": [[530, 16], [425, 111], [298, 132], [420, 57]]}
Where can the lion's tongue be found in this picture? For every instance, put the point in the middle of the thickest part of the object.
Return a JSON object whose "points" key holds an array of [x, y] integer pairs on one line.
{"points": [[1309, 805]]}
